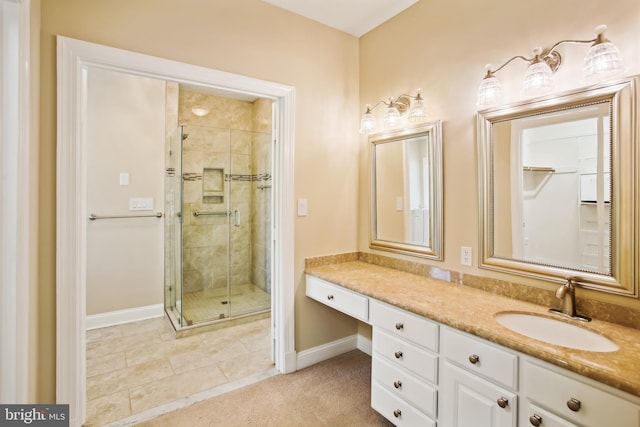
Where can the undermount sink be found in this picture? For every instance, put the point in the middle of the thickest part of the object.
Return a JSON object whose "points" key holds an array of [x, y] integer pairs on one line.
{"points": [[555, 332]]}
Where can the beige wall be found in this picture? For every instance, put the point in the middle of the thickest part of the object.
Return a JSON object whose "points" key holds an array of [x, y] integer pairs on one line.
{"points": [[247, 37], [125, 130], [442, 46]]}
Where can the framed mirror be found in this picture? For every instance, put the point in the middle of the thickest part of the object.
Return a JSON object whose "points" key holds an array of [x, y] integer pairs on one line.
{"points": [[559, 187], [406, 191]]}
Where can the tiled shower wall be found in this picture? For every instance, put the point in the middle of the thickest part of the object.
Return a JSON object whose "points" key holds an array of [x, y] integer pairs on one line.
{"points": [[244, 128]]}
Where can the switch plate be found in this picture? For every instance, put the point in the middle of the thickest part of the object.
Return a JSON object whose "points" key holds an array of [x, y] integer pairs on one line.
{"points": [[466, 256], [141, 204], [124, 178], [302, 207]]}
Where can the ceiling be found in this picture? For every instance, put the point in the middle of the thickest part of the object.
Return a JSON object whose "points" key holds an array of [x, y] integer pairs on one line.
{"points": [[355, 17]]}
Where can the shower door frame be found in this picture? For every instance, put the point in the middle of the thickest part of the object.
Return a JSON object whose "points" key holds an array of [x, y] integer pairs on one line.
{"points": [[74, 57]]}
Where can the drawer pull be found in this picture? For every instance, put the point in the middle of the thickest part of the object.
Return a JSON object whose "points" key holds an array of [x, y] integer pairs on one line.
{"points": [[399, 326], [573, 404], [474, 358], [398, 354], [503, 402], [397, 384], [535, 420], [330, 297], [397, 413]]}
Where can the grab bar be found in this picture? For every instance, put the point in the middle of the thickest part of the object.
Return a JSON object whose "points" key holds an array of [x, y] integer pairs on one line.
{"points": [[93, 217], [196, 213]]}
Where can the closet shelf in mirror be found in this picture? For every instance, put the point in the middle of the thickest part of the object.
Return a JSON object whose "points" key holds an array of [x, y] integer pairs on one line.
{"points": [[538, 169]]}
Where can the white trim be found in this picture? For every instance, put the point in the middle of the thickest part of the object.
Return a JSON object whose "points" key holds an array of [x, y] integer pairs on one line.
{"points": [[73, 57], [119, 317], [14, 301], [326, 351], [365, 344]]}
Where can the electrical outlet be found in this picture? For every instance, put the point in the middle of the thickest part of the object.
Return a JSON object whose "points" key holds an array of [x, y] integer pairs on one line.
{"points": [[465, 256]]}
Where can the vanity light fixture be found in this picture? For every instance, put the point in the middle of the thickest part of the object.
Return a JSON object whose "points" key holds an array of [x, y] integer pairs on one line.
{"points": [[602, 60], [200, 111], [404, 108]]}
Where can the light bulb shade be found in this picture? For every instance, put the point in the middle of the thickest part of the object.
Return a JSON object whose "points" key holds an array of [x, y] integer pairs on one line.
{"points": [[417, 112], [602, 60], [368, 123], [489, 92], [538, 79], [391, 117]]}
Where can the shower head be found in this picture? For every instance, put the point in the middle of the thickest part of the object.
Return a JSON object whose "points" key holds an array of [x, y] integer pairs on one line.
{"points": [[185, 136]]}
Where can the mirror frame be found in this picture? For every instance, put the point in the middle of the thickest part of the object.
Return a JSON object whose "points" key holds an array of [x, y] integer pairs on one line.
{"points": [[433, 132], [622, 95]]}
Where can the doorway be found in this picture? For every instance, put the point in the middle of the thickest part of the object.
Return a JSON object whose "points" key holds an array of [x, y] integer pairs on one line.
{"points": [[74, 58]]}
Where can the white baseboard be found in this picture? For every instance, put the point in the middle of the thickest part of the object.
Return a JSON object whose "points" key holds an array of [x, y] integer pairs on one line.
{"points": [[326, 351], [113, 318], [364, 344]]}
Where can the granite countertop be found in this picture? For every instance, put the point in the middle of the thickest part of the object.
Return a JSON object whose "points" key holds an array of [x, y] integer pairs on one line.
{"points": [[472, 310]]}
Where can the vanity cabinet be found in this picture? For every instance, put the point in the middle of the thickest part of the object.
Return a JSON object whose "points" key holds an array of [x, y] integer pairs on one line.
{"points": [[478, 382], [404, 366], [555, 397], [427, 374]]}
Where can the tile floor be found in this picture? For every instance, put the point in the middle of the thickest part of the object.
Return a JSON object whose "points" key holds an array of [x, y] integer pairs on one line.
{"points": [[138, 366]]}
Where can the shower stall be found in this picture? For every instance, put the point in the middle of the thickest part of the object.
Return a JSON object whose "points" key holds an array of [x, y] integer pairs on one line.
{"points": [[218, 224]]}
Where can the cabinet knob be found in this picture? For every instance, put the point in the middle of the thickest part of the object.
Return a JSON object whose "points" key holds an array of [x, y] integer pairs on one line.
{"points": [[397, 413], [399, 326], [535, 420], [398, 354], [573, 404], [474, 358], [503, 402], [397, 384], [330, 297]]}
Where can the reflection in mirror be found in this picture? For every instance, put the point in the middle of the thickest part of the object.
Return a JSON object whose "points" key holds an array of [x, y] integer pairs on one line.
{"points": [[551, 178], [406, 196], [557, 187]]}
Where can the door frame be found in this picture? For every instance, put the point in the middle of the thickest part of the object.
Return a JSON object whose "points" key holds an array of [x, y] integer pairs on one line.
{"points": [[74, 56]]}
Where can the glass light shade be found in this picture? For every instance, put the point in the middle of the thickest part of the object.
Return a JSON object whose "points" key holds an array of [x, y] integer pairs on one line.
{"points": [[489, 92], [368, 123], [538, 79], [391, 117], [602, 60], [417, 112]]}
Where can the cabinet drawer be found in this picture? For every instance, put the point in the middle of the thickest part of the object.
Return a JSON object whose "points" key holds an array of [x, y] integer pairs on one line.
{"points": [[397, 410], [545, 418], [492, 362], [337, 297], [553, 391], [404, 385], [404, 324], [406, 355]]}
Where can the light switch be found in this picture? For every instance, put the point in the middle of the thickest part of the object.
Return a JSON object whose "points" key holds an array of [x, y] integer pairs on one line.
{"points": [[302, 207], [124, 178]]}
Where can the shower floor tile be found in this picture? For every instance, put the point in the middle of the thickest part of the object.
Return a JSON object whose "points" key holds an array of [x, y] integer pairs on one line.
{"points": [[138, 366], [212, 304]]}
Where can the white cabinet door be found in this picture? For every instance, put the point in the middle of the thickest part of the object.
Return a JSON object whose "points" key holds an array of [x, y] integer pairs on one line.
{"points": [[466, 400]]}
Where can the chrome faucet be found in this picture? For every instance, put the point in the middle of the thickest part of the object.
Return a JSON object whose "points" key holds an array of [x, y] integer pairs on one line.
{"points": [[567, 293]]}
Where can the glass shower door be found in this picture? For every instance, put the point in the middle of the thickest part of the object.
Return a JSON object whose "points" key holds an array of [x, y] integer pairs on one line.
{"points": [[173, 226], [249, 232]]}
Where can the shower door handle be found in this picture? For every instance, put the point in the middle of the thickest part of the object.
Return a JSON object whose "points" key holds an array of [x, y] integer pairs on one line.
{"points": [[236, 218]]}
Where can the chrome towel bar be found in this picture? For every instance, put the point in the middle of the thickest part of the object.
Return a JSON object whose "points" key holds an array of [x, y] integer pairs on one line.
{"points": [[196, 213], [93, 217]]}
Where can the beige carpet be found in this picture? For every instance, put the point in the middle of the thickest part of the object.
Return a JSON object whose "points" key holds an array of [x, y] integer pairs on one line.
{"points": [[336, 392]]}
